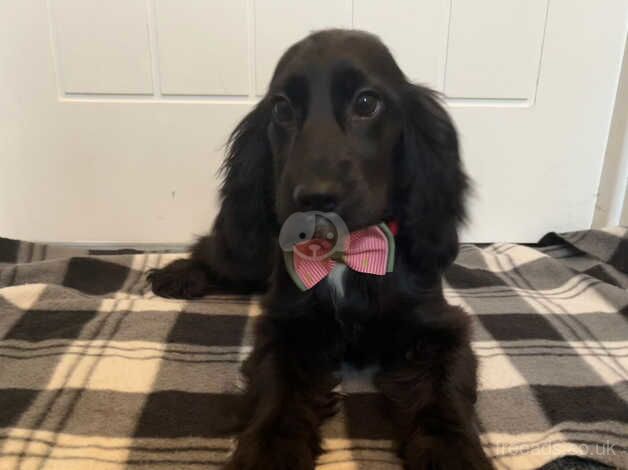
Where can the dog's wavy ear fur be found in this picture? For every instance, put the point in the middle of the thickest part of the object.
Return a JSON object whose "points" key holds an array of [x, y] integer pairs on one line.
{"points": [[240, 246], [430, 184]]}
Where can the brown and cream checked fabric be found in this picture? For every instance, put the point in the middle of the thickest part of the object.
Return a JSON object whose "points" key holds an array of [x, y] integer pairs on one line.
{"points": [[98, 373]]}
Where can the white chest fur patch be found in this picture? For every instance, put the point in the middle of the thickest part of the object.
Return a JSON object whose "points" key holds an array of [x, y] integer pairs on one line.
{"points": [[335, 279]]}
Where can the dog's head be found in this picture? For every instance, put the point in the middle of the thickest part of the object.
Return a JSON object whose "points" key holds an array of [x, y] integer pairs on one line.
{"points": [[342, 130], [335, 125]]}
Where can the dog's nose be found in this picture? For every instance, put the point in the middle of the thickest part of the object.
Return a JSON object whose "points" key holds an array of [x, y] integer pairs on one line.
{"points": [[315, 198]]}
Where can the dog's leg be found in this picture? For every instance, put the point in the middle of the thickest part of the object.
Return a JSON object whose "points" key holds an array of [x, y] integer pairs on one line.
{"points": [[181, 279], [289, 394], [431, 386], [214, 266]]}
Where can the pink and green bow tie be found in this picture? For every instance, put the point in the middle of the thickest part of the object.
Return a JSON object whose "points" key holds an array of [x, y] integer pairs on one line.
{"points": [[370, 250]]}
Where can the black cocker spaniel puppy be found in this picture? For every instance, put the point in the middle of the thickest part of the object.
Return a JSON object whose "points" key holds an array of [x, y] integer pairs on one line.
{"points": [[342, 130]]}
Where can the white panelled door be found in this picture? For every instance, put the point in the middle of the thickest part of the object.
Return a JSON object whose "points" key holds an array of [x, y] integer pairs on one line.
{"points": [[113, 113]]}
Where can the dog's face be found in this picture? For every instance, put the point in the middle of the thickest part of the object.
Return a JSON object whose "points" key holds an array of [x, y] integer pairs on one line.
{"points": [[335, 127], [342, 130]]}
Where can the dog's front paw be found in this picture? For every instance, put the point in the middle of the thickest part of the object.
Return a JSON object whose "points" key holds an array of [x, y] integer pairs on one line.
{"points": [[271, 454], [181, 279], [440, 453], [328, 405]]}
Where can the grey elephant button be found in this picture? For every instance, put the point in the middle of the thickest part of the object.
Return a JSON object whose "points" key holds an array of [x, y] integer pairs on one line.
{"points": [[299, 227], [313, 234]]}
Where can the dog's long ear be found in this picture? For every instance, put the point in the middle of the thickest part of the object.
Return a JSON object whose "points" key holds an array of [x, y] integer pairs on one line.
{"points": [[240, 245], [430, 183]]}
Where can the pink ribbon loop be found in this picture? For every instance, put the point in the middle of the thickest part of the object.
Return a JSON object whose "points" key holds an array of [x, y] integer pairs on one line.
{"points": [[366, 251]]}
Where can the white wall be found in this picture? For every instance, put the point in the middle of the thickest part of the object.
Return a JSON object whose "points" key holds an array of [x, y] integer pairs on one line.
{"points": [[624, 212], [113, 114], [611, 208]]}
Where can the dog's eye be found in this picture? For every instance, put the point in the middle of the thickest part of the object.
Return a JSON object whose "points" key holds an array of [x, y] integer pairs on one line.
{"points": [[366, 104], [283, 112]]}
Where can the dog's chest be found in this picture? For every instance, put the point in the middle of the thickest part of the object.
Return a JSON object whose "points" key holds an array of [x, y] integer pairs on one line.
{"points": [[352, 320]]}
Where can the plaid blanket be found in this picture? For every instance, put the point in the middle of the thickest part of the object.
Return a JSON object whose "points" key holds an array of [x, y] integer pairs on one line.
{"points": [[98, 373]]}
